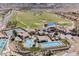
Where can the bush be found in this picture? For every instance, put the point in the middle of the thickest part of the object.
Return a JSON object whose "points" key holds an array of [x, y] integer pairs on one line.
{"points": [[64, 41], [11, 23], [34, 48], [15, 33]]}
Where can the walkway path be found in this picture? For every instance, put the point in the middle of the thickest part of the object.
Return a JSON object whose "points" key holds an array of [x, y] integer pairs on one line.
{"points": [[74, 50]]}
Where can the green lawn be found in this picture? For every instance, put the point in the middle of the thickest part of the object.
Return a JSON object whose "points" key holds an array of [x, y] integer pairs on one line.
{"points": [[34, 20], [65, 23]]}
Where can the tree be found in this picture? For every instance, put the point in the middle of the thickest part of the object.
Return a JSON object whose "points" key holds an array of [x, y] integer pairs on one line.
{"points": [[12, 38], [55, 34], [15, 33], [8, 24], [11, 23]]}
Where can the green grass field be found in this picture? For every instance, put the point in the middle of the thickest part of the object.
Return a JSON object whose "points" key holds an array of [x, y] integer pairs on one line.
{"points": [[34, 19], [65, 23]]}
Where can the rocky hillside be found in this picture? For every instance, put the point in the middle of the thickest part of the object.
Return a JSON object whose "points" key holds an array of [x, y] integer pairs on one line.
{"points": [[53, 6]]}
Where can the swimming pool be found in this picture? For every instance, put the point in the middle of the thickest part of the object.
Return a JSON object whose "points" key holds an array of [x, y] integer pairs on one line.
{"points": [[28, 43], [50, 44], [2, 44]]}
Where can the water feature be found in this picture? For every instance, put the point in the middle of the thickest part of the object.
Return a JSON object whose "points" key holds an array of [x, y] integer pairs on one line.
{"points": [[2, 44], [50, 44], [28, 43]]}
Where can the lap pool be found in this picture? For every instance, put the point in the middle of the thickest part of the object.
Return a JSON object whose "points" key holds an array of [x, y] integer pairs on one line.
{"points": [[2, 44], [50, 44]]}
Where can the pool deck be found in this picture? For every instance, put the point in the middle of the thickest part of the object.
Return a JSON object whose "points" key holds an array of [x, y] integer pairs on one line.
{"points": [[24, 32], [50, 43], [44, 38]]}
